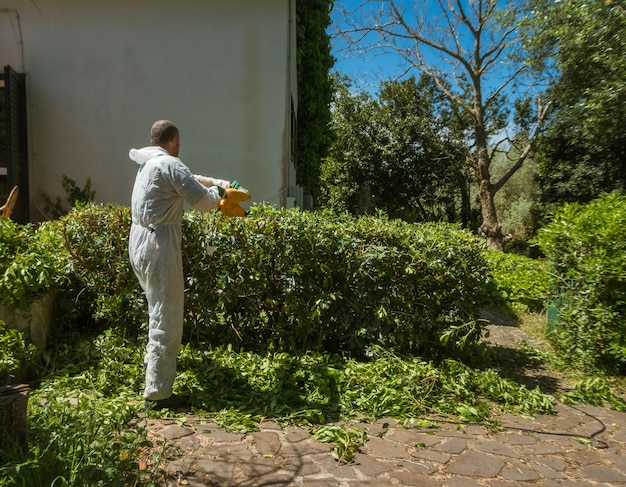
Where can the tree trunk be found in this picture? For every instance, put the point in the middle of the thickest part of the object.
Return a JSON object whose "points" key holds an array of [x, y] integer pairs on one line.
{"points": [[490, 226]]}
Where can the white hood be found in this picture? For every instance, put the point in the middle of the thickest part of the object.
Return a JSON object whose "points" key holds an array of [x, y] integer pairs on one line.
{"points": [[141, 156]]}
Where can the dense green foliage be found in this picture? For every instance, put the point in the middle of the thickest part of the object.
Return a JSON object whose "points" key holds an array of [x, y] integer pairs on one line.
{"points": [[581, 154], [401, 152], [518, 280], [15, 352], [251, 280], [314, 62], [586, 245], [32, 261], [296, 281], [515, 201]]}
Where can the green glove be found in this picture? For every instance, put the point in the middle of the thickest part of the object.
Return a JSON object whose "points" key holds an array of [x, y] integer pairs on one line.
{"points": [[236, 185], [221, 191]]}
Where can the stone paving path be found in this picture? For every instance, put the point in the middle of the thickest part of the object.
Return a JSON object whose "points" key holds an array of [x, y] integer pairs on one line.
{"points": [[582, 447]]}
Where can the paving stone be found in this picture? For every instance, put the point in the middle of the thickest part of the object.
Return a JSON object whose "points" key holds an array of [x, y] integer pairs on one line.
{"points": [[266, 442], [374, 429], [174, 432], [618, 459], [570, 444], [427, 439], [369, 483], [411, 437], [551, 462], [475, 464], [519, 471], [538, 449], [199, 482], [184, 465], [229, 452], [495, 447], [301, 466], [461, 482], [341, 471], [547, 472], [369, 466], [570, 423], [278, 479], [381, 448], [452, 433], [325, 482], [451, 445], [412, 479], [332, 467], [190, 443], [295, 435], [600, 473], [585, 457], [219, 435], [516, 438], [270, 426], [416, 466], [474, 430], [221, 469], [507, 483], [567, 483], [431, 455], [620, 435], [305, 447], [257, 467]]}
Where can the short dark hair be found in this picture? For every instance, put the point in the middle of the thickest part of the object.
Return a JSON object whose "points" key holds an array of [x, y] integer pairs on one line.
{"points": [[162, 131]]}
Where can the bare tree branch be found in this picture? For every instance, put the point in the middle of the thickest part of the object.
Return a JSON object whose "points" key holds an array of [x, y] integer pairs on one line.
{"points": [[542, 113]]}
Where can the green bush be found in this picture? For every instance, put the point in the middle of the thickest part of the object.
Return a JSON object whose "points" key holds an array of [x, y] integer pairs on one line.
{"points": [[15, 353], [521, 281], [289, 280], [586, 245], [103, 286], [32, 261]]}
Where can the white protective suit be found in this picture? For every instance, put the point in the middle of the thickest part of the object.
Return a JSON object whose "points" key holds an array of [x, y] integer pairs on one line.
{"points": [[162, 186]]}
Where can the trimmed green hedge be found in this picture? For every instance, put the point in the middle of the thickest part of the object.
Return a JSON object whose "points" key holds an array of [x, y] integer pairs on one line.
{"points": [[587, 249], [287, 280]]}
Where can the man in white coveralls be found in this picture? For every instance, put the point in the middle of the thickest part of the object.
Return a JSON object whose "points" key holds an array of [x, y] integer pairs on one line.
{"points": [[162, 187]]}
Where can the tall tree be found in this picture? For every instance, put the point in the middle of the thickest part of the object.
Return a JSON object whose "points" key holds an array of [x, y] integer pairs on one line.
{"points": [[314, 62], [582, 153], [464, 46], [400, 152]]}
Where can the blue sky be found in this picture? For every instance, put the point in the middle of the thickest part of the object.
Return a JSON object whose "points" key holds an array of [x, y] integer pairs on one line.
{"points": [[367, 70]]}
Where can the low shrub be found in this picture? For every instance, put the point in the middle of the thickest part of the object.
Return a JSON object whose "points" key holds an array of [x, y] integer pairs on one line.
{"points": [[15, 352], [586, 245], [520, 281], [32, 261], [287, 280]]}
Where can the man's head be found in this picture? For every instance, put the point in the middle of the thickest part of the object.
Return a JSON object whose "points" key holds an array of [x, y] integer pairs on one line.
{"points": [[165, 134]]}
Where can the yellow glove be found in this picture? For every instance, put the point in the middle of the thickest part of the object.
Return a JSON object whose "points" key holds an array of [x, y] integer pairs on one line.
{"points": [[229, 204]]}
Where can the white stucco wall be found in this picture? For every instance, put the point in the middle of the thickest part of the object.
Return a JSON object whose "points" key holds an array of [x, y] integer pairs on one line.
{"points": [[99, 72]]}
